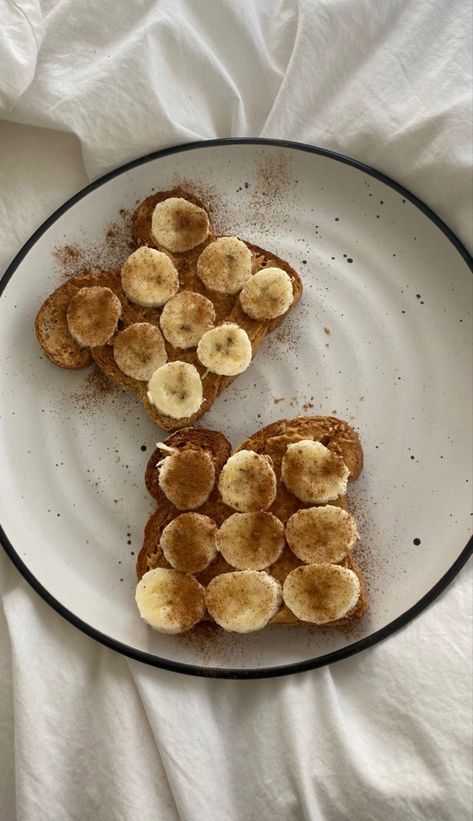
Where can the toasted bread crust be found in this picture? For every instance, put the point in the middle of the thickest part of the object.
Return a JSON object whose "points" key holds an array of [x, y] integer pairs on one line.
{"points": [[334, 433], [227, 308], [51, 326], [141, 218], [272, 440], [51, 320]]}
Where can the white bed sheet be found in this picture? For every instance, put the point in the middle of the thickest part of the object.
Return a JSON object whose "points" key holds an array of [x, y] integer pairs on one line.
{"points": [[85, 733]]}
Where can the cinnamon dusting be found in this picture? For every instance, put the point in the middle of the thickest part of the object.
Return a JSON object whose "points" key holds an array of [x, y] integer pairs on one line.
{"points": [[94, 388], [86, 257]]}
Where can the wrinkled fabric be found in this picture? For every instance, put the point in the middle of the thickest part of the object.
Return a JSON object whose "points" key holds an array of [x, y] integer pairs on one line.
{"points": [[21, 32], [85, 733], [388, 83]]}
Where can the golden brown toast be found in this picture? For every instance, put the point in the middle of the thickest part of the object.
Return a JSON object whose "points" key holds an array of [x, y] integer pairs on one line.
{"points": [[272, 440], [60, 348], [51, 324], [52, 331]]}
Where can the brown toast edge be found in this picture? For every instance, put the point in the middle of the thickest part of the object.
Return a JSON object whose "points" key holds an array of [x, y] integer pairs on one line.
{"points": [[51, 328], [334, 433]]}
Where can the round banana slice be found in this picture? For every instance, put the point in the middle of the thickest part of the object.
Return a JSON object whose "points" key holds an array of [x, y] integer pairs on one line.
{"points": [[169, 601], [187, 478], [225, 350], [244, 601], [225, 265], [247, 481], [185, 318], [92, 315], [139, 350], [251, 541], [179, 225], [149, 277], [321, 593], [267, 294], [188, 542], [175, 389], [321, 534], [314, 473]]}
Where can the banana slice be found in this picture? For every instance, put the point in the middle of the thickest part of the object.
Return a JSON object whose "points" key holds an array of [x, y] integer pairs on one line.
{"points": [[149, 277], [321, 534], [267, 294], [175, 389], [321, 593], [244, 601], [225, 350], [92, 316], [179, 225], [188, 542], [169, 601], [251, 541], [225, 265], [314, 473], [185, 318], [247, 481], [187, 478], [139, 350]]}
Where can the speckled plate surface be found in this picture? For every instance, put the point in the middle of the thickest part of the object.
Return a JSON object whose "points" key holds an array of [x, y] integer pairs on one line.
{"points": [[382, 338]]}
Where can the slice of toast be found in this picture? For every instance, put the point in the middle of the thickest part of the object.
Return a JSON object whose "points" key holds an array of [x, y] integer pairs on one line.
{"points": [[61, 349], [52, 331], [272, 440]]}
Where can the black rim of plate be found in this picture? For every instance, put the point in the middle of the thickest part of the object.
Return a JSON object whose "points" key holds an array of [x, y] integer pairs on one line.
{"points": [[216, 672]]}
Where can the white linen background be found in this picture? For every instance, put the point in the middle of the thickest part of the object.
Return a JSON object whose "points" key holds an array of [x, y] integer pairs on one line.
{"points": [[84, 732]]}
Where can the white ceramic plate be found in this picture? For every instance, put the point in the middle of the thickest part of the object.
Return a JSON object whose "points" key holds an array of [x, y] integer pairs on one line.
{"points": [[392, 284]]}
